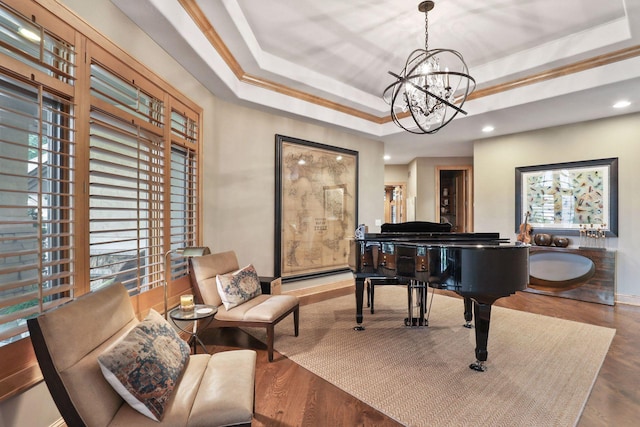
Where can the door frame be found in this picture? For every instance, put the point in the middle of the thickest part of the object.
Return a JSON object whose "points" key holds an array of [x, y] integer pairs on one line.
{"points": [[403, 205], [468, 192]]}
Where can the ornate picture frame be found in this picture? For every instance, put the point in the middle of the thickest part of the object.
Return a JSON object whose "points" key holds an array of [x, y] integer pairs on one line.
{"points": [[562, 198], [316, 208]]}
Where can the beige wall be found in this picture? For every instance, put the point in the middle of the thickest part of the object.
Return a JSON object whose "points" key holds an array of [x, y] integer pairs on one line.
{"points": [[495, 161], [396, 173]]}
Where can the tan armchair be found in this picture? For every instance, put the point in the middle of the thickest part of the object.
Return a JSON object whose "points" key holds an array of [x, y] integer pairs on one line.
{"points": [[262, 311], [215, 390]]}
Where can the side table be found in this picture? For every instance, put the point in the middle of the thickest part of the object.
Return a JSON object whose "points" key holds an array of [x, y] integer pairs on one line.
{"points": [[200, 312]]}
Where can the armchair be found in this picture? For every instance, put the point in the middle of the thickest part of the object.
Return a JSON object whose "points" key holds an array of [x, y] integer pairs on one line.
{"points": [[260, 311], [215, 390]]}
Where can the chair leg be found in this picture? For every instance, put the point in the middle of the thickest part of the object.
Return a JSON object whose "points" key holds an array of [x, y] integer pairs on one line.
{"points": [[296, 321], [270, 333]]}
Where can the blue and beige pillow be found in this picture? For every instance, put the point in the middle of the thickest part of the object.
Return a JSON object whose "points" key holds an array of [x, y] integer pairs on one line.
{"points": [[146, 365], [238, 287]]}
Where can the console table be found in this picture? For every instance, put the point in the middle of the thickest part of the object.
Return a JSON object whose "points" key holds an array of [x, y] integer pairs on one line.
{"points": [[595, 285]]}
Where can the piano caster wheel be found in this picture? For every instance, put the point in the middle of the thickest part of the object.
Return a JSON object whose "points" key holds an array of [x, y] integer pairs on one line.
{"points": [[468, 325], [358, 328], [478, 366]]}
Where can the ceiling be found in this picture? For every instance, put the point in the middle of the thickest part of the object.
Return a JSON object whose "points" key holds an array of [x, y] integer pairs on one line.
{"points": [[537, 63]]}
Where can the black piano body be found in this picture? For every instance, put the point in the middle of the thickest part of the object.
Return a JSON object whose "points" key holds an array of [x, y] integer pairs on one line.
{"points": [[480, 267]]}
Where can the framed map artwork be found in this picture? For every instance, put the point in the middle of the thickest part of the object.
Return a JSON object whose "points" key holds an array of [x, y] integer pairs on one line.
{"points": [[562, 198], [315, 208]]}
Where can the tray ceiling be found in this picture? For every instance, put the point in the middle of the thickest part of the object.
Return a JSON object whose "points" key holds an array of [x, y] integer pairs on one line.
{"points": [[537, 63]]}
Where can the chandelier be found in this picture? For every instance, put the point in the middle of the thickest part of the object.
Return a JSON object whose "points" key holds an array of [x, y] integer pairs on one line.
{"points": [[431, 88]]}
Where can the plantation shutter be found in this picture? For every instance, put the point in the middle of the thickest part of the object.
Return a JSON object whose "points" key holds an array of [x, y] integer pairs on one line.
{"points": [[84, 148], [183, 188], [37, 170], [125, 204], [36, 203], [126, 184]]}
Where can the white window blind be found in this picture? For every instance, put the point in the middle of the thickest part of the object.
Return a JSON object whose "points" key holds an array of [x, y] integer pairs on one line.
{"points": [[183, 205], [36, 203], [126, 185]]}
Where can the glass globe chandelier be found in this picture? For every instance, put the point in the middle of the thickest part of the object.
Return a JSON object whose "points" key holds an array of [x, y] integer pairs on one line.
{"points": [[431, 88]]}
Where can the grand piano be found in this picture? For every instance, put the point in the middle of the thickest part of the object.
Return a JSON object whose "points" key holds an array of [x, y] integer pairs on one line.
{"points": [[480, 267]]}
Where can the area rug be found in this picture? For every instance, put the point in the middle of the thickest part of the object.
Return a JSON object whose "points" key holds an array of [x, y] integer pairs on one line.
{"points": [[540, 369]]}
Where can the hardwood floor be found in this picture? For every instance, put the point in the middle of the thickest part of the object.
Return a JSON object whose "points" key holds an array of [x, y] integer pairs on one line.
{"points": [[289, 395]]}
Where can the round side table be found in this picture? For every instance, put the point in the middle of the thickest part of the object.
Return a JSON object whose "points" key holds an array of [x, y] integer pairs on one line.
{"points": [[201, 312]]}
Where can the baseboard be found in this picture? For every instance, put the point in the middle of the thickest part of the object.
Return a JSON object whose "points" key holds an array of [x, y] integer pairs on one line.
{"points": [[628, 299]]}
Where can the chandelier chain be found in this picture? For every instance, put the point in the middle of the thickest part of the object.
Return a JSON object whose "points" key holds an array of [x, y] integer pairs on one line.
{"points": [[426, 31]]}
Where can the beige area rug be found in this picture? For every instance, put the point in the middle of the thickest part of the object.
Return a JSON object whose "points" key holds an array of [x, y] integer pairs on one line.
{"points": [[540, 369]]}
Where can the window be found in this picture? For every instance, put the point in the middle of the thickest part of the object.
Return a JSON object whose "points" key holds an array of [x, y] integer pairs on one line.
{"points": [[31, 44], [183, 205], [126, 180], [97, 180], [36, 203]]}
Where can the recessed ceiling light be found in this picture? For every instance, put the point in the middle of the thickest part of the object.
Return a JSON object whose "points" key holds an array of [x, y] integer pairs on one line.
{"points": [[621, 104], [387, 157], [487, 129]]}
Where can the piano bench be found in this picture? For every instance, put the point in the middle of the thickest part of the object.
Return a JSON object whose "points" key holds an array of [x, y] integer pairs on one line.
{"points": [[371, 282]]}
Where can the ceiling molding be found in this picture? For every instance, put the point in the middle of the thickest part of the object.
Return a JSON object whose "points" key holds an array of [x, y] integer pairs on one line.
{"points": [[201, 21], [576, 67], [193, 10]]}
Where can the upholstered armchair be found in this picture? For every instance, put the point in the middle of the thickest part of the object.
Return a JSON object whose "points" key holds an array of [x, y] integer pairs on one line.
{"points": [[217, 279], [104, 367]]}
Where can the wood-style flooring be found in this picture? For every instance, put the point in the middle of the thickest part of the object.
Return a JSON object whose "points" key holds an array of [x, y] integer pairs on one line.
{"points": [[289, 395]]}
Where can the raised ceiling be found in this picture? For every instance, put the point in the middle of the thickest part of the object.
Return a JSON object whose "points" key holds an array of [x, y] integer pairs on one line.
{"points": [[537, 63]]}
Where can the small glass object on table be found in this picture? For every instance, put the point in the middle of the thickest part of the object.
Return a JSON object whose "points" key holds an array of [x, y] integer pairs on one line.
{"points": [[199, 312]]}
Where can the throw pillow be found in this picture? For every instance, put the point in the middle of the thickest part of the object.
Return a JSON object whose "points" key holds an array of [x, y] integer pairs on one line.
{"points": [[238, 287], [146, 365]]}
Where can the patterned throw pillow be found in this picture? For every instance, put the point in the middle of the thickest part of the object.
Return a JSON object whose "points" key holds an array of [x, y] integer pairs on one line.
{"points": [[238, 287], [145, 366]]}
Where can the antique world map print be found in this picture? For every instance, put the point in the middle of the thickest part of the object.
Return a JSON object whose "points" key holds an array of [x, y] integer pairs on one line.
{"points": [[318, 219]]}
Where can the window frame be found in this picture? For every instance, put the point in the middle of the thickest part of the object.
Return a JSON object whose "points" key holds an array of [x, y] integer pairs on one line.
{"points": [[18, 366]]}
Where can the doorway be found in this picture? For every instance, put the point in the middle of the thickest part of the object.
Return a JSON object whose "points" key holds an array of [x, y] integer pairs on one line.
{"points": [[454, 197], [395, 205]]}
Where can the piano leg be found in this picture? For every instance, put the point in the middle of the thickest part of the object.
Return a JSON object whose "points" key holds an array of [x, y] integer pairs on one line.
{"points": [[482, 313], [468, 312], [371, 294], [359, 297], [369, 287]]}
